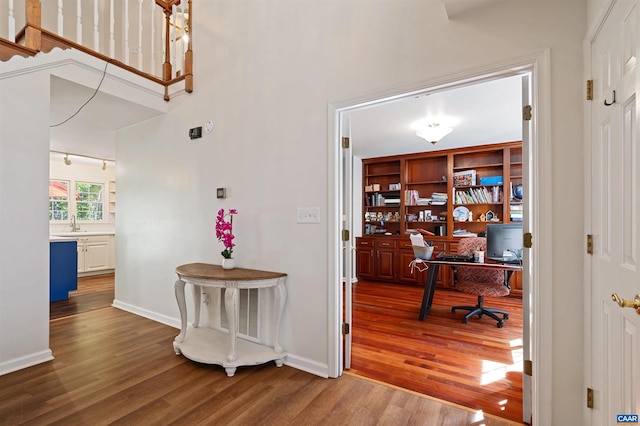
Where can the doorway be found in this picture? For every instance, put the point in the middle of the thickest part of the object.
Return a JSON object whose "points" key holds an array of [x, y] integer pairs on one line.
{"points": [[536, 187]]}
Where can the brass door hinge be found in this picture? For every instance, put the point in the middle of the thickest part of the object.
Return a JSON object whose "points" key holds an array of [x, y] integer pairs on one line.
{"points": [[589, 90], [528, 240], [526, 113], [589, 398], [589, 244], [527, 367], [345, 328], [345, 142], [345, 235]]}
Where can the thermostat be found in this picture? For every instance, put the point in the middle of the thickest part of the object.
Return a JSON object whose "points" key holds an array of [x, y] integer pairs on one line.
{"points": [[221, 193]]}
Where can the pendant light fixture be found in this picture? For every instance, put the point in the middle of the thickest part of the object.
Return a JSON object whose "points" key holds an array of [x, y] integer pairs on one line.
{"points": [[433, 132]]}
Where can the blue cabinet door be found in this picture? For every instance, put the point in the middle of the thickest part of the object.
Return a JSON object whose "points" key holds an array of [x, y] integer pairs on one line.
{"points": [[63, 269]]}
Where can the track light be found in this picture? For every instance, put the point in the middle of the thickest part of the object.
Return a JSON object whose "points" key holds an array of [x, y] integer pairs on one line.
{"points": [[104, 164], [67, 161]]}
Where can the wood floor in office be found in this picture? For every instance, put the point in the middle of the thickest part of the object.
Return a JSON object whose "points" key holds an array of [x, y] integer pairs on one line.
{"points": [[476, 365]]}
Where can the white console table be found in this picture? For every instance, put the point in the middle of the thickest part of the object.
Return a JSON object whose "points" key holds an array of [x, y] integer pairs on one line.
{"points": [[210, 346]]}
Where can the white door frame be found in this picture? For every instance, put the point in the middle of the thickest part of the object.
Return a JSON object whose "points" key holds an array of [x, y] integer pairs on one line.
{"points": [[540, 225]]}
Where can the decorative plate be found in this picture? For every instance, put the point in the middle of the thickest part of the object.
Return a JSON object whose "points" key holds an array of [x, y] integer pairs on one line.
{"points": [[461, 214]]}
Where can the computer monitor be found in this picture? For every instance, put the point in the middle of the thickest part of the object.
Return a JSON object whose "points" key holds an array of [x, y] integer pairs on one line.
{"points": [[504, 241]]}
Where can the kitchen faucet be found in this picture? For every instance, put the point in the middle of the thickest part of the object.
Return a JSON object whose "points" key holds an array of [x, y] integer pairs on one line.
{"points": [[74, 225]]}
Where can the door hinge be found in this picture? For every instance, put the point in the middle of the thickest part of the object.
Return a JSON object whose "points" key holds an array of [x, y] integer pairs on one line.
{"points": [[527, 113], [528, 240], [589, 398], [345, 142], [589, 90], [589, 244], [527, 367], [345, 328], [345, 235]]}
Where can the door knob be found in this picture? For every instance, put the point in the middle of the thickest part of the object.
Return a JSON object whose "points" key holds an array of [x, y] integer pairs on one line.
{"points": [[623, 303]]}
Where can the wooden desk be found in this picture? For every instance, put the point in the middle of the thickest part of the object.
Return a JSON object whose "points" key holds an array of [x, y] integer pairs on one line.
{"points": [[210, 346], [432, 274]]}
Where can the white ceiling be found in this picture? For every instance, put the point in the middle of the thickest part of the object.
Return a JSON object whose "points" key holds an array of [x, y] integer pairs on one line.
{"points": [[92, 131], [483, 113]]}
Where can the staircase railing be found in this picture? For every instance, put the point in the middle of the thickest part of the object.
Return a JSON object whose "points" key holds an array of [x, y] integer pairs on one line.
{"points": [[151, 38]]}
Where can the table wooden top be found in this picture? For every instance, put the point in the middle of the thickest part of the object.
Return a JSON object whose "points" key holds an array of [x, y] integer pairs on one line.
{"points": [[207, 271]]}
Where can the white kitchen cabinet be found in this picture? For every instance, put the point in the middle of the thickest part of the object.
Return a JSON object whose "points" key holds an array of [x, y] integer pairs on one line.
{"points": [[95, 253]]}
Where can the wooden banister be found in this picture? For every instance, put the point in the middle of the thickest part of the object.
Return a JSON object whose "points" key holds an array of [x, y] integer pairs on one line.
{"points": [[32, 38]]}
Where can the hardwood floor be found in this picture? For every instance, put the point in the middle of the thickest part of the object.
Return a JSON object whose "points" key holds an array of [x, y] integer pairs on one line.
{"points": [[476, 365], [113, 367], [94, 292], [105, 356]]}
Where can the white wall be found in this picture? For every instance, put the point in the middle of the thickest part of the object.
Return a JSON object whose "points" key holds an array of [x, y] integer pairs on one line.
{"points": [[264, 73], [24, 234]]}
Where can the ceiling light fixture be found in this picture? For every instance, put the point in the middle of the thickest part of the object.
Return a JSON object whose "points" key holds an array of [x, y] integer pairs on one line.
{"points": [[433, 132], [89, 158]]}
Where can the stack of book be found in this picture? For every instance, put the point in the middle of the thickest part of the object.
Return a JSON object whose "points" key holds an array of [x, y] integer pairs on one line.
{"points": [[515, 211], [438, 198], [463, 233]]}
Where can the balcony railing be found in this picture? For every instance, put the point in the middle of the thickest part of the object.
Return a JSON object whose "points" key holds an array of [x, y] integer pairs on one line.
{"points": [[151, 38]]}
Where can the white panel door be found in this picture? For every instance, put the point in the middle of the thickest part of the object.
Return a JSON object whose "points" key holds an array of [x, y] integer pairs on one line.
{"points": [[615, 197]]}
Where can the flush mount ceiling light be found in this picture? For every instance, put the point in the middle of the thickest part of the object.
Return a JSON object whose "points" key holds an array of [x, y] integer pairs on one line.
{"points": [[67, 161], [433, 132]]}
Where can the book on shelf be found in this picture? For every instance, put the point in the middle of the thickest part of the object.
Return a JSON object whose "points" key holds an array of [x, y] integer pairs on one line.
{"points": [[411, 197], [464, 178], [439, 198], [481, 195]]}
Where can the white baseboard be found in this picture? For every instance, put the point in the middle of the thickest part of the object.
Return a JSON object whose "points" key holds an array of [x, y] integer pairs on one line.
{"points": [[294, 361], [171, 322], [16, 364], [308, 365]]}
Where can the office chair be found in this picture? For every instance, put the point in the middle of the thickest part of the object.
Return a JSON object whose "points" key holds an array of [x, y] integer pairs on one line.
{"points": [[479, 281]]}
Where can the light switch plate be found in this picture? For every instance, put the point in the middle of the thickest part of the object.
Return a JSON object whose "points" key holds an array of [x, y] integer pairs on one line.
{"points": [[308, 214]]}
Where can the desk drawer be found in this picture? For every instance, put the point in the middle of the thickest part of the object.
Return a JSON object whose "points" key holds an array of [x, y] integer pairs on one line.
{"points": [[384, 243], [364, 242]]}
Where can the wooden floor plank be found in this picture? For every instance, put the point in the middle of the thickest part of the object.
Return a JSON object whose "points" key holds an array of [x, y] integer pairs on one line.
{"points": [[138, 379], [476, 365]]}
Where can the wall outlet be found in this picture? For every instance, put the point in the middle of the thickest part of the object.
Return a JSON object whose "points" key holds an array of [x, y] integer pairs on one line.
{"points": [[308, 214]]}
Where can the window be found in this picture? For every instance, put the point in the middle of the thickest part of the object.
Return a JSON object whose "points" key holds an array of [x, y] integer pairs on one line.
{"points": [[87, 204], [58, 200], [89, 201]]}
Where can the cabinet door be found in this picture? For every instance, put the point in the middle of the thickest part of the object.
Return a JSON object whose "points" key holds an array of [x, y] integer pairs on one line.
{"points": [[405, 256], [516, 284], [96, 256], [364, 263], [385, 264]]}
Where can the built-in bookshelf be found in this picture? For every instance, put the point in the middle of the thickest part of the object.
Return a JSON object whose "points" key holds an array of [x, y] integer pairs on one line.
{"points": [[443, 194], [382, 190]]}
